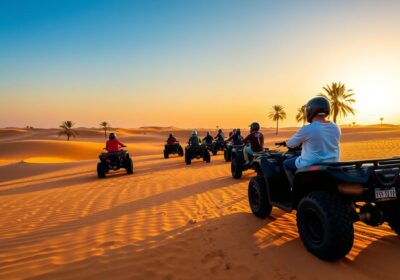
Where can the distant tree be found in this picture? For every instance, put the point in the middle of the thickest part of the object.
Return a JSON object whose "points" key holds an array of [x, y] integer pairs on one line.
{"points": [[340, 98], [354, 123], [277, 114], [67, 129], [301, 114], [381, 119], [105, 126]]}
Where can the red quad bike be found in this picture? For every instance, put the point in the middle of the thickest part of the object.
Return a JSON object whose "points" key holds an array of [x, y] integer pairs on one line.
{"points": [[114, 161], [329, 198]]}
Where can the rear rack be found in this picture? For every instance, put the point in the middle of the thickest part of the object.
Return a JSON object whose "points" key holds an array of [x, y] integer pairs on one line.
{"points": [[388, 162]]}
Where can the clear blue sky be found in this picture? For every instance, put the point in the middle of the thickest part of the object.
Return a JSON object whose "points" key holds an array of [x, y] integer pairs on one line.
{"points": [[159, 62]]}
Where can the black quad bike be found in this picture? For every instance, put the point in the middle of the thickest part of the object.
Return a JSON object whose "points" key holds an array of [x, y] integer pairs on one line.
{"points": [[114, 161], [228, 151], [172, 149], [217, 146], [238, 164], [329, 198], [197, 152]]}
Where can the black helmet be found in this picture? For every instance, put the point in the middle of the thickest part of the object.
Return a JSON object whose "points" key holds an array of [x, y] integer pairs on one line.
{"points": [[112, 136], [208, 133], [255, 126], [171, 135], [318, 106], [219, 130], [237, 132]]}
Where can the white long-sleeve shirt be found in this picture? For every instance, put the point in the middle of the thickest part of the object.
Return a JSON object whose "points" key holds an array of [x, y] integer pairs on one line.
{"points": [[320, 143]]}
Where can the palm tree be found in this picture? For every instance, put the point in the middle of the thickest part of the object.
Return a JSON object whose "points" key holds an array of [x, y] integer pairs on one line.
{"points": [[340, 98], [67, 130], [278, 113], [302, 114], [105, 126], [381, 119], [354, 123]]}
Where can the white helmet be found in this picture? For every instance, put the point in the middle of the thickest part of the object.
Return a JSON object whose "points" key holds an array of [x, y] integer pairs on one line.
{"points": [[194, 132]]}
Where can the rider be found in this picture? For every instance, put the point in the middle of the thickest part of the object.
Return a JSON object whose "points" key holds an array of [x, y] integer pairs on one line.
{"points": [[232, 132], [113, 144], [208, 139], [194, 139], [171, 139], [219, 137], [256, 141], [319, 140], [236, 138]]}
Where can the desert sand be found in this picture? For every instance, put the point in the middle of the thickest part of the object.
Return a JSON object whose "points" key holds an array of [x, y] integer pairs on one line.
{"points": [[167, 220]]}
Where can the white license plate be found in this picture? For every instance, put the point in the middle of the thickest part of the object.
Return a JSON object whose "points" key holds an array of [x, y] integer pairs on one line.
{"points": [[385, 194]]}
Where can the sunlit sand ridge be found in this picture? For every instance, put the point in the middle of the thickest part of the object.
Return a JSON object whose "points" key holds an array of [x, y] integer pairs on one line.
{"points": [[167, 221]]}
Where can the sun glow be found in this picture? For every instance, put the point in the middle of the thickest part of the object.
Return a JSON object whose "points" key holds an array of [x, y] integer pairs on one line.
{"points": [[376, 89]]}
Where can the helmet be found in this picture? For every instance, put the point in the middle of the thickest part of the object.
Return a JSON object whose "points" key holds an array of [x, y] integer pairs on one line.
{"points": [[171, 135], [237, 131], [208, 133], [318, 106], [255, 126], [219, 130], [112, 136], [194, 133]]}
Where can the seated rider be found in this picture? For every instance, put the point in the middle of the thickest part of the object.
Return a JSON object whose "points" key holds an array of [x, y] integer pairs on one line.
{"points": [[220, 136], [194, 139], [319, 140], [232, 132], [208, 139], [256, 141], [236, 138], [171, 139], [113, 144]]}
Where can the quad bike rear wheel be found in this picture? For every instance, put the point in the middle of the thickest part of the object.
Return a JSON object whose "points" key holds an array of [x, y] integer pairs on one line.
{"points": [[236, 168], [325, 225], [206, 157], [214, 149], [180, 151], [258, 197], [129, 165], [188, 157], [227, 155], [101, 170], [394, 217]]}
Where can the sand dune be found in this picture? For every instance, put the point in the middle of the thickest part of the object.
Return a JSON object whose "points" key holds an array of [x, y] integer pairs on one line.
{"points": [[166, 221]]}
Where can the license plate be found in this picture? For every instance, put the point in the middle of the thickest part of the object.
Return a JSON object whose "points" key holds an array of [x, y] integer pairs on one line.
{"points": [[385, 194]]}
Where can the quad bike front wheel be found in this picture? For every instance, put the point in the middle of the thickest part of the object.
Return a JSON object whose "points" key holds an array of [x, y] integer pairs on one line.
{"points": [[236, 168], [258, 198], [180, 151], [166, 154], [227, 155], [101, 170], [325, 225]]}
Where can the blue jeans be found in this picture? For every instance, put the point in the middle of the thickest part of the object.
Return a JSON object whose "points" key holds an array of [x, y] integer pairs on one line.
{"points": [[290, 169]]}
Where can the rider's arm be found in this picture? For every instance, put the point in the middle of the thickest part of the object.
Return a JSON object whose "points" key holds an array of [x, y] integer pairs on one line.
{"points": [[121, 144], [298, 139]]}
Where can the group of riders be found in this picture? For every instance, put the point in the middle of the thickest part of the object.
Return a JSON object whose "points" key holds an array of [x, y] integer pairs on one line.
{"points": [[319, 140]]}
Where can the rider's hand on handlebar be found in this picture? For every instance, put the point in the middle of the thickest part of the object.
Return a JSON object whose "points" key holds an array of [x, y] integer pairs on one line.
{"points": [[281, 144]]}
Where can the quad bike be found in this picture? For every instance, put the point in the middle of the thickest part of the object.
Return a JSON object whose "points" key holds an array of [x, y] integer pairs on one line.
{"points": [[228, 151], [196, 152], [173, 149], [328, 197], [114, 161], [238, 164], [217, 146]]}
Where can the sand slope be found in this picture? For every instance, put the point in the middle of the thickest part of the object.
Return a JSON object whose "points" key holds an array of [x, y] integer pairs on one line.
{"points": [[166, 221]]}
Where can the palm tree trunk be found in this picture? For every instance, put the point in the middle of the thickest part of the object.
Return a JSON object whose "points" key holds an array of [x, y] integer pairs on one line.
{"points": [[105, 133], [277, 125], [68, 137]]}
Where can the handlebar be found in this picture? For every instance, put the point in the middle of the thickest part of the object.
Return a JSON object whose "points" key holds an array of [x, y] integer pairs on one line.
{"points": [[281, 144]]}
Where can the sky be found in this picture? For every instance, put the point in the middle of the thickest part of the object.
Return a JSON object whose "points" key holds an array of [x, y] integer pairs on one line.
{"points": [[190, 64]]}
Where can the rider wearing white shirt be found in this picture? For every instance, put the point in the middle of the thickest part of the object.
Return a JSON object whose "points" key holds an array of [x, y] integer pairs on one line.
{"points": [[319, 140]]}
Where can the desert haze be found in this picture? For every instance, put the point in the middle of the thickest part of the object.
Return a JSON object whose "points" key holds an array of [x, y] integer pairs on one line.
{"points": [[167, 220]]}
